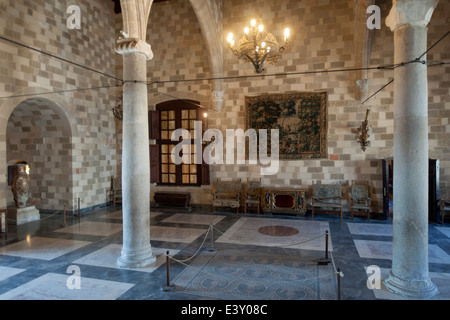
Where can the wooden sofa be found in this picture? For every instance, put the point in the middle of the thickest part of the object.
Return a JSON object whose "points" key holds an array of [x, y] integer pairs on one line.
{"points": [[327, 197]]}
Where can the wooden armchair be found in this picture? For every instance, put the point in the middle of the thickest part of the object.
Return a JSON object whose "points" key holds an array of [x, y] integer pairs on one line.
{"points": [[444, 203], [117, 191], [4, 213], [227, 194], [360, 200], [252, 195], [327, 197]]}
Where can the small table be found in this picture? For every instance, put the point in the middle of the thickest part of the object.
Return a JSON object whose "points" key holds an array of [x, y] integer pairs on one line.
{"points": [[280, 200], [173, 198]]}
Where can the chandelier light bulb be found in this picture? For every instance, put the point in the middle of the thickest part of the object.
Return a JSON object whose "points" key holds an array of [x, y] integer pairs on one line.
{"points": [[263, 45], [253, 22], [287, 33], [261, 28], [230, 37], [246, 30]]}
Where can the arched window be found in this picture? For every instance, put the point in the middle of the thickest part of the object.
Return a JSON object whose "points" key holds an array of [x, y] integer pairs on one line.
{"points": [[169, 116]]}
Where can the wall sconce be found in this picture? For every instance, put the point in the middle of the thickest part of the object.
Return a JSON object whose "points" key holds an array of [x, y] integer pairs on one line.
{"points": [[118, 109], [205, 117], [363, 133]]}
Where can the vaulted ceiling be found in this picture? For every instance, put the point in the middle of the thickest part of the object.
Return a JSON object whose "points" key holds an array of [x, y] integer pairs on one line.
{"points": [[117, 8]]}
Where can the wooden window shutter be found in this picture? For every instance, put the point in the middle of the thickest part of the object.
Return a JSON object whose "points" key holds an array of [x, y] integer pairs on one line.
{"points": [[154, 129], [155, 162], [205, 176]]}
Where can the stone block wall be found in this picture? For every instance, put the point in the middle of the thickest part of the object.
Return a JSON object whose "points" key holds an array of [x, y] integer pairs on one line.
{"points": [[323, 37], [67, 166]]}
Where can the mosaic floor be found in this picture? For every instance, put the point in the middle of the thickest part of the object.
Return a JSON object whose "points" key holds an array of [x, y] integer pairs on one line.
{"points": [[238, 275], [253, 258]]}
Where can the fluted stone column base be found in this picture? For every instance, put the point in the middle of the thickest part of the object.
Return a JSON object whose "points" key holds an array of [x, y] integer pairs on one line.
{"points": [[410, 288], [136, 259]]}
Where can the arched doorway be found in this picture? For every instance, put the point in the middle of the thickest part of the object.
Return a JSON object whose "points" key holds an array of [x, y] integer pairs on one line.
{"points": [[39, 132]]}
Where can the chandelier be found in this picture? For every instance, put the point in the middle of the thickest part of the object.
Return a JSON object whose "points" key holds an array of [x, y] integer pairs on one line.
{"points": [[257, 46]]}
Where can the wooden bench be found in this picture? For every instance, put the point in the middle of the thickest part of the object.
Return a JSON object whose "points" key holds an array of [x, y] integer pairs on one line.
{"points": [[327, 197], [173, 199]]}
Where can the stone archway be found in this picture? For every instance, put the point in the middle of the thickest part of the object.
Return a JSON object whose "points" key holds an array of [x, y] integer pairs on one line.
{"points": [[209, 16], [40, 131]]}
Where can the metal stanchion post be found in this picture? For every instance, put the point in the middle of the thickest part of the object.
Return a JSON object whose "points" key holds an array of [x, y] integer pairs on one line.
{"points": [[339, 283], [326, 260], [79, 209], [211, 229], [65, 222], [168, 286], [168, 269]]}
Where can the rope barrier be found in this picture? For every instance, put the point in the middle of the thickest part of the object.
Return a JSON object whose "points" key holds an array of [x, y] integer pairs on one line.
{"points": [[185, 260], [52, 215], [55, 213], [289, 244]]}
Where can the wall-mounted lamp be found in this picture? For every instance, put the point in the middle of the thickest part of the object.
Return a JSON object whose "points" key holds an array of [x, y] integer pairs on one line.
{"points": [[118, 108], [363, 133]]}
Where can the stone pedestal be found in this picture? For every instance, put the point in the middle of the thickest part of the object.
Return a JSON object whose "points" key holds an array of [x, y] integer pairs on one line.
{"points": [[18, 216], [409, 275]]}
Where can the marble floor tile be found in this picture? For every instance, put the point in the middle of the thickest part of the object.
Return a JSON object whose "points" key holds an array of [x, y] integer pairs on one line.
{"points": [[183, 235], [383, 250], [374, 249], [52, 286], [93, 228], [310, 235], [113, 215], [248, 235], [370, 229], [444, 230], [42, 248], [107, 257], [201, 219], [6, 272], [441, 280], [118, 214]]}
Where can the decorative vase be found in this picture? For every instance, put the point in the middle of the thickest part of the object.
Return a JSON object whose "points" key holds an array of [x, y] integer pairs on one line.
{"points": [[21, 186]]}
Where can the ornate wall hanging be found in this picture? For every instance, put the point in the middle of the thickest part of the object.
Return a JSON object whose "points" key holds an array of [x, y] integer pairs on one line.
{"points": [[300, 117]]}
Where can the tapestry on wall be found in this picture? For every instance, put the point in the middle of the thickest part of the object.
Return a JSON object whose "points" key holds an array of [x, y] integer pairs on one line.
{"points": [[300, 117]]}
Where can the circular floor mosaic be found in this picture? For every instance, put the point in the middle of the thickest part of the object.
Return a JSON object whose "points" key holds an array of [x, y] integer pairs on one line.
{"points": [[278, 231]]}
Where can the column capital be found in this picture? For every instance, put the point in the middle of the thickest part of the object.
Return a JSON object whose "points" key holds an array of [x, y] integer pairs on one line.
{"points": [[132, 45], [410, 12], [135, 15]]}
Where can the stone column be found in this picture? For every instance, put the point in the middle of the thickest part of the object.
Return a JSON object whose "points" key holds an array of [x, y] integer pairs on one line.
{"points": [[409, 275], [136, 250]]}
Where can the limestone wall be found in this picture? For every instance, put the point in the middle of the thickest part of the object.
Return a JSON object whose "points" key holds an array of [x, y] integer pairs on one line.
{"points": [[74, 142], [76, 160], [323, 37]]}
